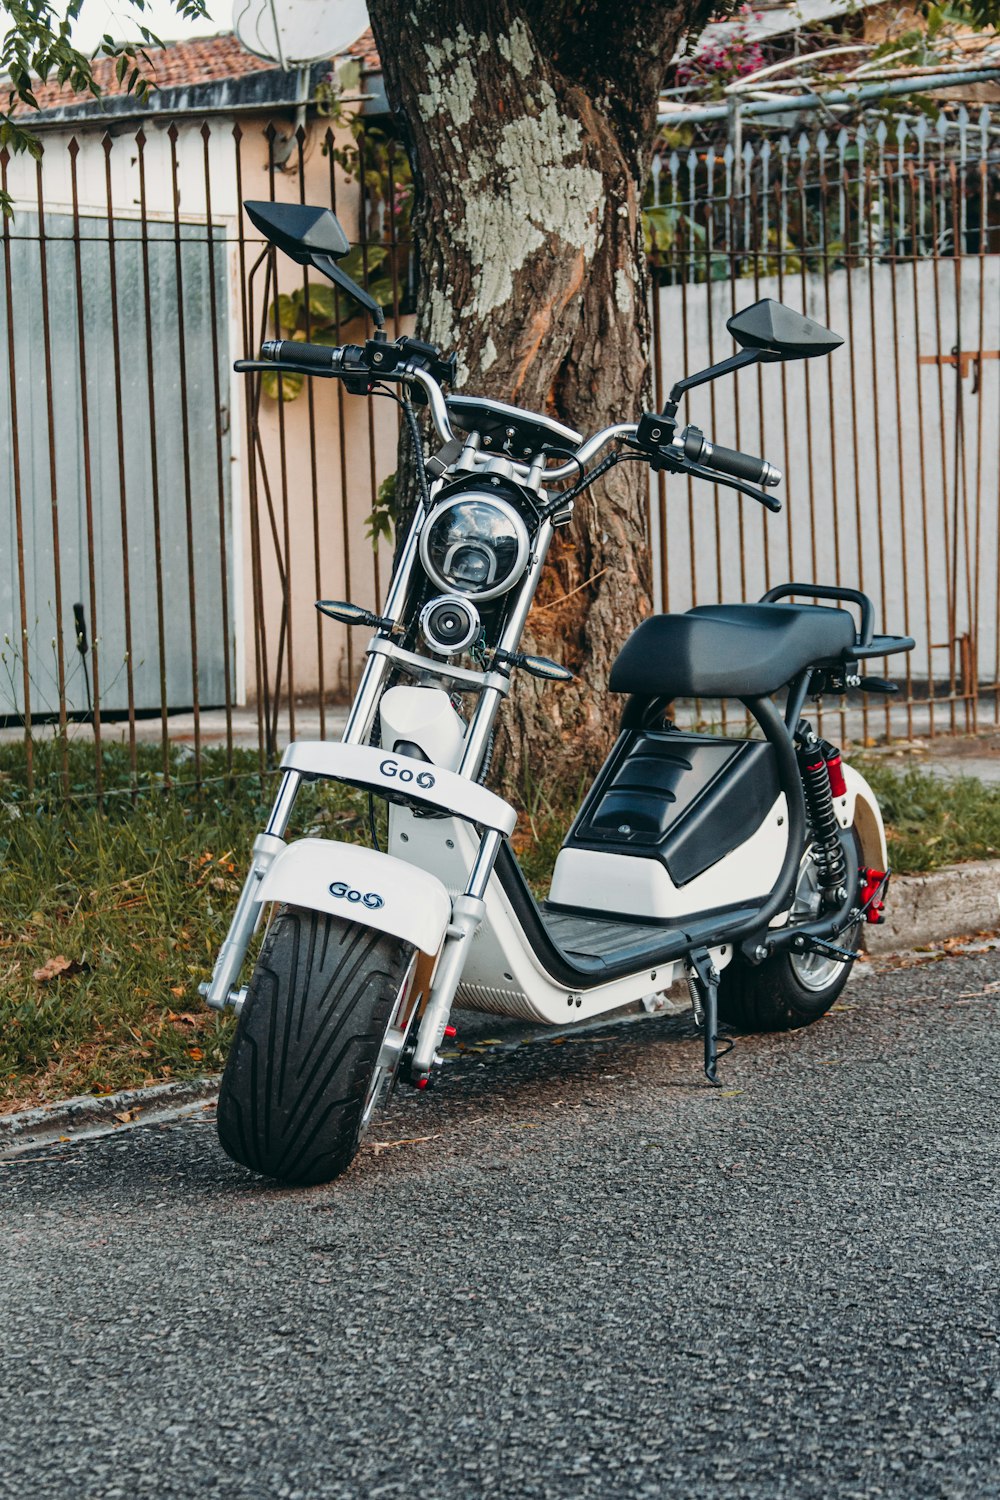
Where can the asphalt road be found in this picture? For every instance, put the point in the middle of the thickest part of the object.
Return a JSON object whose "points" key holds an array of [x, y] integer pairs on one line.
{"points": [[594, 1279]]}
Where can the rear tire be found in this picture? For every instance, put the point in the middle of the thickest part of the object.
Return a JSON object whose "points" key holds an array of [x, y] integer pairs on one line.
{"points": [[786, 991], [303, 1073]]}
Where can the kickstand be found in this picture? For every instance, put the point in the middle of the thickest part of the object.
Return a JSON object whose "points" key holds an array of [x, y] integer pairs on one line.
{"points": [[706, 980]]}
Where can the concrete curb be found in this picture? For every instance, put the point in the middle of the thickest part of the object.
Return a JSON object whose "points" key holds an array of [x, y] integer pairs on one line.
{"points": [[87, 1115], [947, 903], [922, 909]]}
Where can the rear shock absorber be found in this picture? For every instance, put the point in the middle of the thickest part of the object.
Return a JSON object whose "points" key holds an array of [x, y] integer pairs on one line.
{"points": [[812, 758]]}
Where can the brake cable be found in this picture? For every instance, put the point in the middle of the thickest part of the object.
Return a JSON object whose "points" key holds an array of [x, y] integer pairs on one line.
{"points": [[417, 444], [564, 497]]}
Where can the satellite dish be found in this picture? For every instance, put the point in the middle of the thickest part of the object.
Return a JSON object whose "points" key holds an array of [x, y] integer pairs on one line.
{"points": [[294, 32]]}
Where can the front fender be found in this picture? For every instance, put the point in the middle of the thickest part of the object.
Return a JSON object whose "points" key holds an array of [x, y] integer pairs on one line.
{"points": [[363, 886]]}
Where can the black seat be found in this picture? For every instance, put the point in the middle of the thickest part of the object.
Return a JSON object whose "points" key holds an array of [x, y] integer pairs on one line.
{"points": [[730, 650]]}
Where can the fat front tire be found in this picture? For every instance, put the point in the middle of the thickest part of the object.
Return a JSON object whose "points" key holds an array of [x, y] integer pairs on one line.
{"points": [[786, 991], [303, 1072]]}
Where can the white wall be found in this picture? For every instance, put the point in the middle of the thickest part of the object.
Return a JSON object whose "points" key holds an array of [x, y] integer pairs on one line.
{"points": [[899, 497]]}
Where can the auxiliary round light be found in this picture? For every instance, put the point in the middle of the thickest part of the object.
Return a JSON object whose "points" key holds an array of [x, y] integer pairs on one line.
{"points": [[474, 544], [449, 624]]}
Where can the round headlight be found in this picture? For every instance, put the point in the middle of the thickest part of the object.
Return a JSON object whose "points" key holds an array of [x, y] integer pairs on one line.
{"points": [[474, 544]]}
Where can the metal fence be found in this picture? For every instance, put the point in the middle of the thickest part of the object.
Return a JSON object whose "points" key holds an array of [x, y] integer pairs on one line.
{"points": [[166, 527], [889, 235]]}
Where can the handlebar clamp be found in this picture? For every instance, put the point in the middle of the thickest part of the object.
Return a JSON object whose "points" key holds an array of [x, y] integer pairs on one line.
{"points": [[382, 358], [655, 435]]}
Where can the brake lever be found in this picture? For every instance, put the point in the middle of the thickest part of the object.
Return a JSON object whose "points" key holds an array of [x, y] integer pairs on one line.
{"points": [[674, 460], [356, 379], [699, 471]]}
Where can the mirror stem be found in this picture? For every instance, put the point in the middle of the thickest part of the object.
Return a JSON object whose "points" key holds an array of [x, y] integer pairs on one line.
{"points": [[726, 367], [328, 266]]}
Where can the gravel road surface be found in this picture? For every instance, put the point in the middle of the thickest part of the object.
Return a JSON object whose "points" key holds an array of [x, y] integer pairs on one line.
{"points": [[594, 1278]]}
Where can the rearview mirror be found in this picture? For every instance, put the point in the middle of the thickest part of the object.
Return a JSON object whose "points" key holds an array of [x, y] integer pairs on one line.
{"points": [[781, 332], [311, 237], [300, 231]]}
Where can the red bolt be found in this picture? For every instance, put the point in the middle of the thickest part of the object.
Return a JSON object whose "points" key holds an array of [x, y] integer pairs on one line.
{"points": [[422, 1083], [451, 1031]]}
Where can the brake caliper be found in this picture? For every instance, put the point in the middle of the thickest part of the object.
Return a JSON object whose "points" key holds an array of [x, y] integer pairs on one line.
{"points": [[874, 884]]}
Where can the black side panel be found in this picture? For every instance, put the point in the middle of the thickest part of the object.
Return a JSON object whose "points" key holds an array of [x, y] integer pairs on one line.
{"points": [[688, 800]]}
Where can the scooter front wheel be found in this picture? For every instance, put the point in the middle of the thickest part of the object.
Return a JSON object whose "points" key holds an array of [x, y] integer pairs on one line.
{"points": [[316, 1043], [789, 989]]}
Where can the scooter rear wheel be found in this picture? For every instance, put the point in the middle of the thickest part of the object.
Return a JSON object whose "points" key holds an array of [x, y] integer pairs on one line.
{"points": [[309, 1061], [790, 989]]}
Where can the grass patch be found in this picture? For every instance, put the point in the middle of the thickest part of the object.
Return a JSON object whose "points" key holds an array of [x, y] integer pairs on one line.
{"points": [[933, 821], [137, 897]]}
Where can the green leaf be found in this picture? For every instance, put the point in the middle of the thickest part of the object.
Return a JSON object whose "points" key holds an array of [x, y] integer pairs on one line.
{"points": [[355, 261], [285, 312], [322, 306], [286, 386], [381, 522]]}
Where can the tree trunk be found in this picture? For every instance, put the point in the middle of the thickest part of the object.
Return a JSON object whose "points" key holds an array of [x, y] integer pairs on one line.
{"points": [[530, 130]]}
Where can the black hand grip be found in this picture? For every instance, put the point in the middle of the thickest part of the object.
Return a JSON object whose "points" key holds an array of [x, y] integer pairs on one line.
{"points": [[740, 465], [295, 352]]}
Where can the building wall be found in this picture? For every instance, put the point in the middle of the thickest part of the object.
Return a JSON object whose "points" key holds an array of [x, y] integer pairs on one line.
{"points": [[318, 460]]}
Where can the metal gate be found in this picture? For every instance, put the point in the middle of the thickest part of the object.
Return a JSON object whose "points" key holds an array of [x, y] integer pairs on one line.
{"points": [[115, 486]]}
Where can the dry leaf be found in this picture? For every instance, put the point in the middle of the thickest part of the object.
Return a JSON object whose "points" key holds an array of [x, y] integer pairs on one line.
{"points": [[178, 989], [59, 967], [196, 1053], [126, 1116]]}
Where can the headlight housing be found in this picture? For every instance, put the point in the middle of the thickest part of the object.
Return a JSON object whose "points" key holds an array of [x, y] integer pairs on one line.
{"points": [[474, 544]]}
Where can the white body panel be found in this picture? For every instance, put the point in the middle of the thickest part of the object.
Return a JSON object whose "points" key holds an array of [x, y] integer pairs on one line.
{"points": [[635, 887], [423, 716], [502, 973], [362, 886], [589, 879], [388, 772]]}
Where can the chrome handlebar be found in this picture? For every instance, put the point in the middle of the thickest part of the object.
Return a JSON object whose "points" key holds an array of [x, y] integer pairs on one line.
{"points": [[442, 423], [330, 361]]}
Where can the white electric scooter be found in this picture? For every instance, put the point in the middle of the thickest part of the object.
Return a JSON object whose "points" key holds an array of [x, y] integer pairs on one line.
{"points": [[747, 866]]}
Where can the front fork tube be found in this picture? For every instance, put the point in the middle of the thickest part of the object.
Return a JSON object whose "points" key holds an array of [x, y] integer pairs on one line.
{"points": [[220, 991], [468, 911]]}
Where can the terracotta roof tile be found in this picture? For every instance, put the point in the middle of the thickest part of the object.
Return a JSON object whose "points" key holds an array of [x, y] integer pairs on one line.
{"points": [[366, 52], [184, 64]]}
